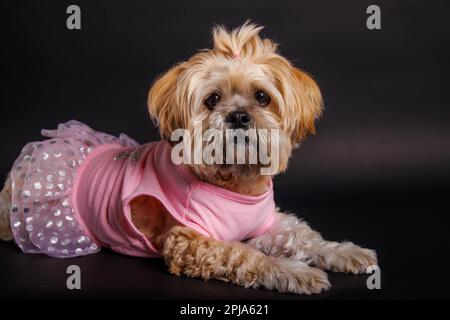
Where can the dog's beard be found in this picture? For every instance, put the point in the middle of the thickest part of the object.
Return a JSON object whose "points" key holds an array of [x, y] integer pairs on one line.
{"points": [[242, 148], [258, 141]]}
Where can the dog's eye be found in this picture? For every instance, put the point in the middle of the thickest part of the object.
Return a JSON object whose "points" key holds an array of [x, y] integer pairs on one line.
{"points": [[262, 98], [212, 100]]}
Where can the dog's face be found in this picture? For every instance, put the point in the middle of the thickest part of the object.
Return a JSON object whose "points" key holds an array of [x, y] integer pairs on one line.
{"points": [[242, 83]]}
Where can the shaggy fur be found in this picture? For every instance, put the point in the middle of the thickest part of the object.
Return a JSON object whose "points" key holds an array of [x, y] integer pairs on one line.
{"points": [[5, 207], [289, 257]]}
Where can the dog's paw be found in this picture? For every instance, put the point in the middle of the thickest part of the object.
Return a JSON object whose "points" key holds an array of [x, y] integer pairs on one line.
{"points": [[350, 258], [291, 276]]}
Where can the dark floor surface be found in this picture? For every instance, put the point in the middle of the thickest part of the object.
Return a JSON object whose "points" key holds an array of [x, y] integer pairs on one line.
{"points": [[411, 267]]}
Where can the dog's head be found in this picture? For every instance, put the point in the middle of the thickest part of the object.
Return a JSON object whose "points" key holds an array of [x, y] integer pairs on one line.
{"points": [[241, 83]]}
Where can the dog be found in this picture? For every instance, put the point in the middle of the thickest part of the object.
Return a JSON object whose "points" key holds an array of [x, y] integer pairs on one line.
{"points": [[209, 221]]}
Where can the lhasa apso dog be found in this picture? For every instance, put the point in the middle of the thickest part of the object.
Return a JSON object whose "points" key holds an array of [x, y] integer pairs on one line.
{"points": [[82, 189]]}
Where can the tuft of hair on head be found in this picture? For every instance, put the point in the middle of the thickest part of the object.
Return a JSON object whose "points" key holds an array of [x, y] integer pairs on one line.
{"points": [[243, 42]]}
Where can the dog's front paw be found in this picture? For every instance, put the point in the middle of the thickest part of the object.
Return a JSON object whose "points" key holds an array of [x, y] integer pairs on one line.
{"points": [[350, 258], [291, 276]]}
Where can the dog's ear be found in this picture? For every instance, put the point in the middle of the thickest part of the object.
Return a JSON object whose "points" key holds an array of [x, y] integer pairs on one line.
{"points": [[307, 104], [302, 100], [164, 104]]}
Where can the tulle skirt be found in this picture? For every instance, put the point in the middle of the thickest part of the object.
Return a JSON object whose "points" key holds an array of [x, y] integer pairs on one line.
{"points": [[42, 216]]}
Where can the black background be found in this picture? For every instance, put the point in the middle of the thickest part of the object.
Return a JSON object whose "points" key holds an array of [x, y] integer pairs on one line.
{"points": [[376, 173]]}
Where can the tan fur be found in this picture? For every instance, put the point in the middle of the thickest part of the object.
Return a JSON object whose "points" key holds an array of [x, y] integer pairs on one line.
{"points": [[5, 207], [163, 105], [245, 184], [186, 252], [152, 219], [288, 257], [176, 99]]}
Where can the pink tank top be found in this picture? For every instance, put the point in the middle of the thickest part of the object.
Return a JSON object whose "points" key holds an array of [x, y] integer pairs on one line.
{"points": [[113, 175]]}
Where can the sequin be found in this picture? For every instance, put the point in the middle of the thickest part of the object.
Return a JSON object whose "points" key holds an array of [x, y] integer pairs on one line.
{"points": [[72, 163], [137, 153], [45, 172], [122, 155]]}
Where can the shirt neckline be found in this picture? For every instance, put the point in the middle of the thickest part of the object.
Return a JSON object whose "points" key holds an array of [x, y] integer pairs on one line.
{"points": [[222, 192]]}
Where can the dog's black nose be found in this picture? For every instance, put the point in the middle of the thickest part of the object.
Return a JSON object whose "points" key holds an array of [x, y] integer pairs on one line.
{"points": [[238, 119]]}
